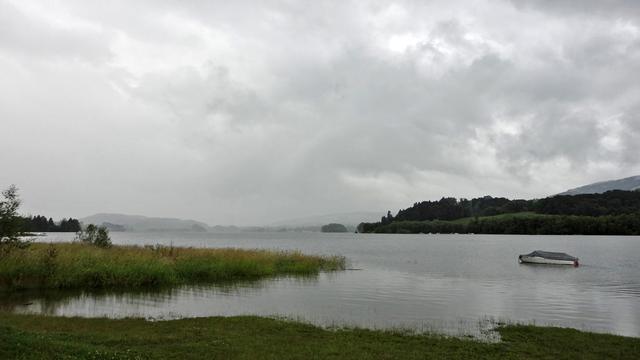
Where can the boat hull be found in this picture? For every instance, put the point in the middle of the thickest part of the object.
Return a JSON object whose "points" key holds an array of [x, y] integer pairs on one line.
{"points": [[541, 260]]}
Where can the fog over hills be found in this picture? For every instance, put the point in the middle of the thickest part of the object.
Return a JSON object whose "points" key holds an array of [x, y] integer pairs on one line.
{"points": [[249, 113], [144, 223], [349, 219], [629, 183]]}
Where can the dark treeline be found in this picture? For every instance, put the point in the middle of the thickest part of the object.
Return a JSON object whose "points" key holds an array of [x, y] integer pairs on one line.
{"points": [[453, 209], [40, 223], [626, 224], [590, 206], [610, 203]]}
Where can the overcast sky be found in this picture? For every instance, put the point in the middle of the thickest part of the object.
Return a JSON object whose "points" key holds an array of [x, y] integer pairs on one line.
{"points": [[247, 112]]}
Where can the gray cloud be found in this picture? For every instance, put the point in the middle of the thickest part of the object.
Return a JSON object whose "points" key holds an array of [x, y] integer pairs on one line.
{"points": [[606, 8], [28, 35], [248, 112]]}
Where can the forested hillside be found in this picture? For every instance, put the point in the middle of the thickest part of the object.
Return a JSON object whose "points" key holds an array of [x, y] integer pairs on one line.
{"points": [[613, 212]]}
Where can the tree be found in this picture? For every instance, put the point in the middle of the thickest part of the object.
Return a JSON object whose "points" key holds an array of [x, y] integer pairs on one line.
{"points": [[102, 237], [95, 235], [88, 235], [10, 222], [73, 225]]}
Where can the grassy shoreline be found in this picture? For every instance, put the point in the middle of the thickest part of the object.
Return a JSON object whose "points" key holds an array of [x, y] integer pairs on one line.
{"points": [[249, 337], [78, 265]]}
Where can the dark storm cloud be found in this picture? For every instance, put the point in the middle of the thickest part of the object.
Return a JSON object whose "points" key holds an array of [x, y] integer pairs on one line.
{"points": [[248, 112]]}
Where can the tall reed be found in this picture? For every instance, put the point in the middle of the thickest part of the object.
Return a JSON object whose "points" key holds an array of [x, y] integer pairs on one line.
{"points": [[77, 265]]}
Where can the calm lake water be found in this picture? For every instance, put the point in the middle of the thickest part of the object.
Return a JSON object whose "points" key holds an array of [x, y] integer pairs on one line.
{"points": [[447, 283]]}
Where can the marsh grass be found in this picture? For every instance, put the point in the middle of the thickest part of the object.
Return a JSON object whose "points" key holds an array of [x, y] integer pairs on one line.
{"points": [[78, 265]]}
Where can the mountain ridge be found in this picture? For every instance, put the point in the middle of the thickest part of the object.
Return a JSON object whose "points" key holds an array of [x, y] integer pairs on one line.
{"points": [[145, 223], [628, 184]]}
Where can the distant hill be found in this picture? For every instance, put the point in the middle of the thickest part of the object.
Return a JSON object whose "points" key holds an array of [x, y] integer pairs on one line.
{"points": [[143, 223], [123, 222], [627, 184], [349, 219]]}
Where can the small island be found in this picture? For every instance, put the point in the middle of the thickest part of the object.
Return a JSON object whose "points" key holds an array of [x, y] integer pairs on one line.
{"points": [[334, 228]]}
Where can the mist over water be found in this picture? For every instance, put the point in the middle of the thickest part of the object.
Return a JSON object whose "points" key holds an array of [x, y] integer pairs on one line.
{"points": [[444, 283]]}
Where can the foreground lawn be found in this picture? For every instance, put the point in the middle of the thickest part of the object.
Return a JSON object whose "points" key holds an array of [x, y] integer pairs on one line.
{"points": [[78, 265], [39, 337]]}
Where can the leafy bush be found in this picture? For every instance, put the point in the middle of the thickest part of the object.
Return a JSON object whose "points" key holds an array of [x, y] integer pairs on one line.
{"points": [[95, 235], [10, 222]]}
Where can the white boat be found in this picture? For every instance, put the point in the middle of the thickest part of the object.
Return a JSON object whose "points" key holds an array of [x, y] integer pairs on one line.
{"points": [[547, 257]]}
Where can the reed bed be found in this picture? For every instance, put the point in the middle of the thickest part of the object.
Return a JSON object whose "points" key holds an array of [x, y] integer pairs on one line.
{"points": [[78, 265]]}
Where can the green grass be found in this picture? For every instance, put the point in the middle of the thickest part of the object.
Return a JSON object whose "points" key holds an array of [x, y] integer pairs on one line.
{"points": [[41, 337], [77, 265]]}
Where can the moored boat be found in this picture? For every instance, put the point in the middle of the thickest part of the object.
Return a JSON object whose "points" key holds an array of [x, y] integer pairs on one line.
{"points": [[548, 257]]}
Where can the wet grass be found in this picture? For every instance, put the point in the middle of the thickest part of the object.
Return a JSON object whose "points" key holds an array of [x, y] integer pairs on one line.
{"points": [[82, 266], [247, 337]]}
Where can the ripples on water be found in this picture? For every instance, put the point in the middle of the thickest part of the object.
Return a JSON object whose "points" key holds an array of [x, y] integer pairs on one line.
{"points": [[443, 283]]}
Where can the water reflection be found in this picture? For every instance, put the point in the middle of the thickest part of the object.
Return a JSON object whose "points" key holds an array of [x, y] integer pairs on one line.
{"points": [[444, 283], [124, 303]]}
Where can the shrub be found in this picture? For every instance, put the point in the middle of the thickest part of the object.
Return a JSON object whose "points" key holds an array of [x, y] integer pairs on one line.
{"points": [[10, 222], [95, 235]]}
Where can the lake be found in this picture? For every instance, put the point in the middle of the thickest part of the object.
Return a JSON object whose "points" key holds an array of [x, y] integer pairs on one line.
{"points": [[454, 284]]}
